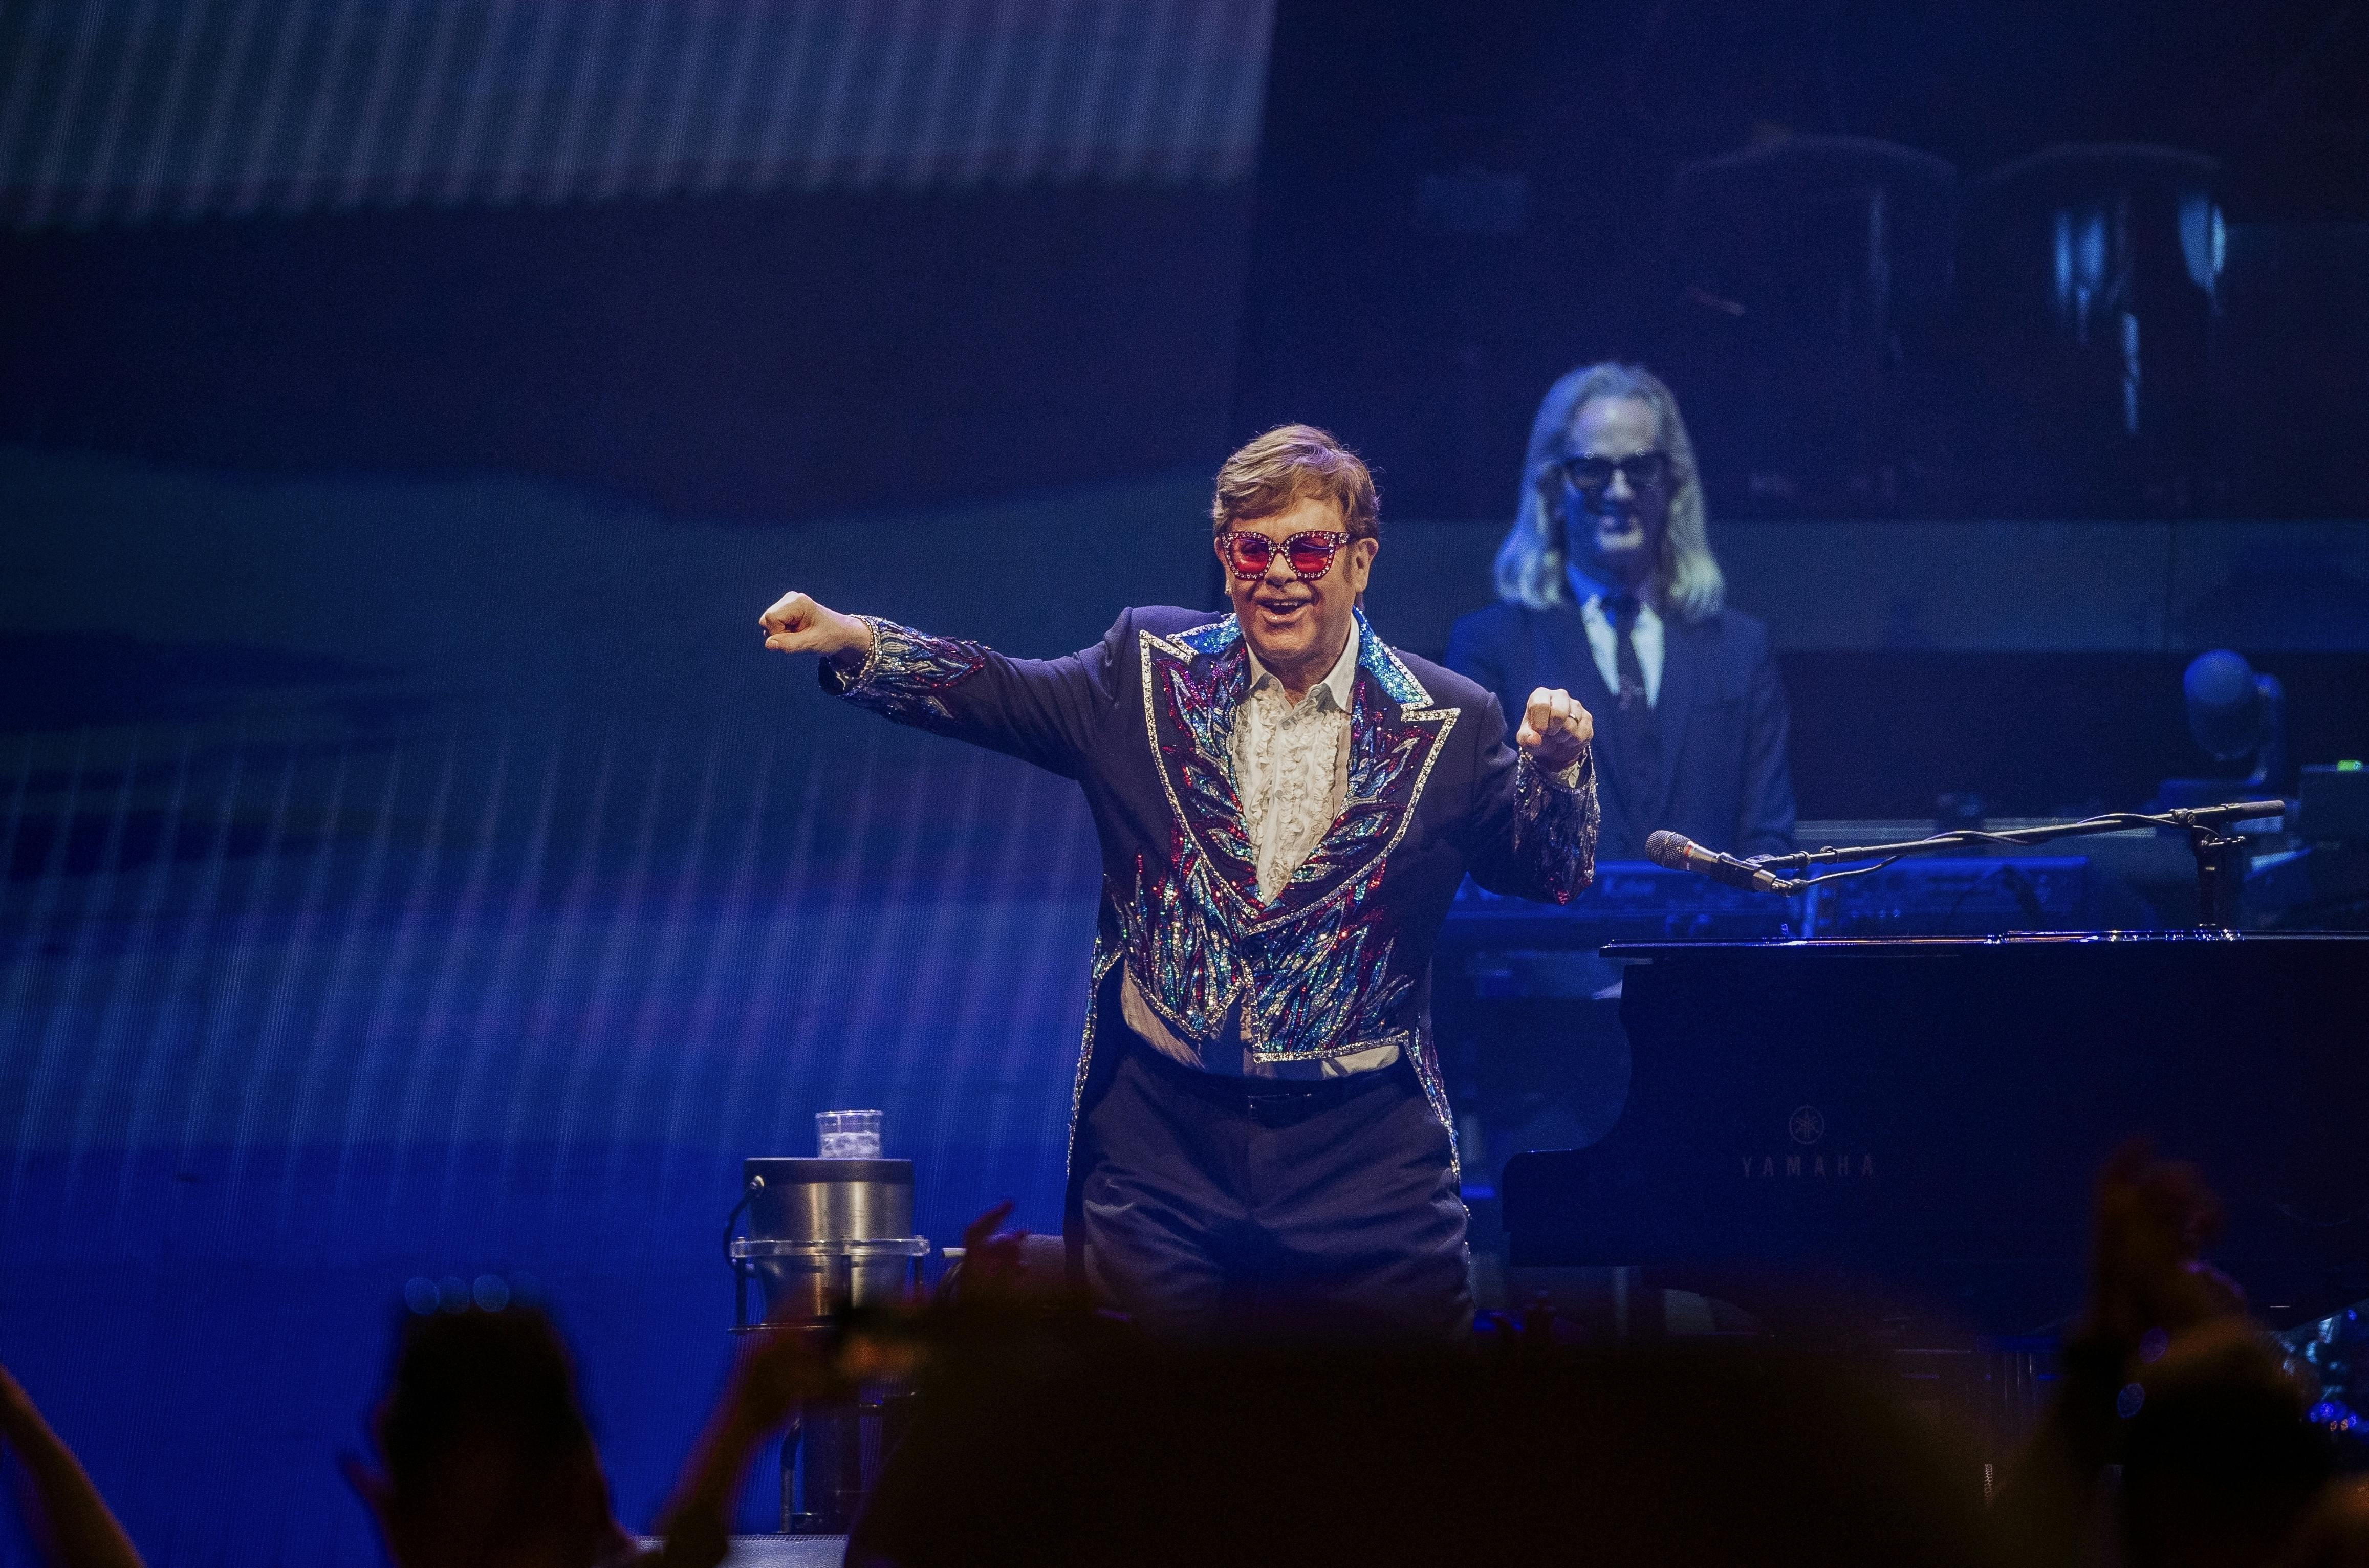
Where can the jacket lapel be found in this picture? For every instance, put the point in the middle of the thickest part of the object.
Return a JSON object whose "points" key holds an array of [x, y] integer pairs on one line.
{"points": [[1395, 736], [1192, 686], [1194, 682]]}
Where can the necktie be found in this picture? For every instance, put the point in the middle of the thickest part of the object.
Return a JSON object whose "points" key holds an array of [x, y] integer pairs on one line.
{"points": [[1623, 609], [1635, 753]]}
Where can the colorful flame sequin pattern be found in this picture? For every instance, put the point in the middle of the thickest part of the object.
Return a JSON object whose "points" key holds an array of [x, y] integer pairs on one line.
{"points": [[1384, 752], [1307, 989], [905, 671], [1555, 828], [1312, 972]]}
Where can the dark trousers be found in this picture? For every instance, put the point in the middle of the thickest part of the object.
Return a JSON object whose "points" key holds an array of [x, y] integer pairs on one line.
{"points": [[1212, 1205]]}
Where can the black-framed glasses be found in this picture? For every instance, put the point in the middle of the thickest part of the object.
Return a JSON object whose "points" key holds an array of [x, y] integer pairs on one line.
{"points": [[1310, 555], [1591, 476]]}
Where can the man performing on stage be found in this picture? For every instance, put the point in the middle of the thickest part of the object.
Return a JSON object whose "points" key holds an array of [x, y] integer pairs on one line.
{"points": [[1285, 807]]}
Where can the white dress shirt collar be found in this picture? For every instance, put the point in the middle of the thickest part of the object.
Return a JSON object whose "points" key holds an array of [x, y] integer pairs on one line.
{"points": [[1337, 684], [1585, 586]]}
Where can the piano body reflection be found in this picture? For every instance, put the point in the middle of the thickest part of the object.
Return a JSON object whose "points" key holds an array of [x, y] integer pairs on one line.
{"points": [[1527, 1015], [1930, 1114]]}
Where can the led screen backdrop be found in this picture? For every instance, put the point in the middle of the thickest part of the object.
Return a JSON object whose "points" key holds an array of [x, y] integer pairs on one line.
{"points": [[134, 109], [431, 879], [410, 867]]}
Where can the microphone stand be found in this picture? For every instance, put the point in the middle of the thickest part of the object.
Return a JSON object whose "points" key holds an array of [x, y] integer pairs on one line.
{"points": [[2220, 860]]}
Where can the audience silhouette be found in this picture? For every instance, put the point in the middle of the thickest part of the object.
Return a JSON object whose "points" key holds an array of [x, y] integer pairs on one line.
{"points": [[1051, 1434]]}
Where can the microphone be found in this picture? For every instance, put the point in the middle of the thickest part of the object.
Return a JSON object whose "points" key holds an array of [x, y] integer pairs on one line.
{"points": [[1679, 852], [2234, 812]]}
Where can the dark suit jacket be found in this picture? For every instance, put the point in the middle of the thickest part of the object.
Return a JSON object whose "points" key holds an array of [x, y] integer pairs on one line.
{"points": [[1725, 782], [1341, 958]]}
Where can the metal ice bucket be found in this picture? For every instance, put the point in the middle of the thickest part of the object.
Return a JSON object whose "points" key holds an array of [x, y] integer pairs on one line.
{"points": [[827, 1234]]}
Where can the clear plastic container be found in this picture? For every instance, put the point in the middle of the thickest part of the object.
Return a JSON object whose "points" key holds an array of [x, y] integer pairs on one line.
{"points": [[846, 1135]]}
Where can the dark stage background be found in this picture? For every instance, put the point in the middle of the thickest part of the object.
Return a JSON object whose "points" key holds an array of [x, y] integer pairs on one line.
{"points": [[413, 868]]}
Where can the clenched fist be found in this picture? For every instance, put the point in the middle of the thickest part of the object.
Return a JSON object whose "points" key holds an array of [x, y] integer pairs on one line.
{"points": [[796, 624], [1555, 729]]}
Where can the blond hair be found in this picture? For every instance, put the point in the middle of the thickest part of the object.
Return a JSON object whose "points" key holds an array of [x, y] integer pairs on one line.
{"points": [[1532, 563], [1292, 463]]}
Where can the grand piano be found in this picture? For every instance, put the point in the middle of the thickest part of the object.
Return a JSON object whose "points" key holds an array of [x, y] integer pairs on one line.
{"points": [[1867, 1123]]}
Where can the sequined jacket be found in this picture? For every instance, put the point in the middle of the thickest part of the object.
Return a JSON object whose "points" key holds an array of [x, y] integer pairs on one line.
{"points": [[1340, 960]]}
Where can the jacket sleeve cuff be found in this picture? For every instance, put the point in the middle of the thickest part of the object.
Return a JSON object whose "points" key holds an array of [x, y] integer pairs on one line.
{"points": [[909, 675], [1555, 818], [842, 682], [1570, 774]]}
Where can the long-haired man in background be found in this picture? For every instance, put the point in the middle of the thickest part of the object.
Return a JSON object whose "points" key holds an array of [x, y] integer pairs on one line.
{"points": [[1608, 587]]}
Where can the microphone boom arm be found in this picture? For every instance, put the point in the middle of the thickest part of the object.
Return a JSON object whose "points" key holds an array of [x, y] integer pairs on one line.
{"points": [[2219, 869]]}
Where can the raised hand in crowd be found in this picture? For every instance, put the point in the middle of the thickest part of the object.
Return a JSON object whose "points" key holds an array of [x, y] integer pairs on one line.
{"points": [[69, 1520], [2152, 1221], [487, 1456], [2163, 1372], [778, 1370], [991, 1256]]}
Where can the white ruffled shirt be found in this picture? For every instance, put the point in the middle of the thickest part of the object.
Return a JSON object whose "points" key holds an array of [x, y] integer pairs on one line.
{"points": [[1291, 774], [1291, 766]]}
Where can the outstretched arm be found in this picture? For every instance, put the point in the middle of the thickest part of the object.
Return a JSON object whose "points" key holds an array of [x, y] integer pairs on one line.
{"points": [[1042, 711], [1531, 833]]}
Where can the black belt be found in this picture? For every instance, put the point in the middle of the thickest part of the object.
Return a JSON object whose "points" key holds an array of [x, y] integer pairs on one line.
{"points": [[1266, 1099]]}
